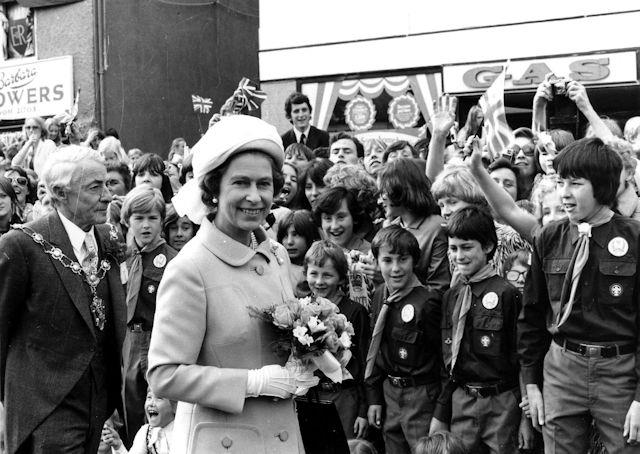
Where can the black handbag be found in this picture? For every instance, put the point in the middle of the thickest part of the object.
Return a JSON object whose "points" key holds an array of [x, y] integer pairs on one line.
{"points": [[320, 425]]}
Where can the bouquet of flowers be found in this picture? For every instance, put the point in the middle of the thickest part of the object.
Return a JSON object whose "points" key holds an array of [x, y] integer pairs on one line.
{"points": [[314, 334]]}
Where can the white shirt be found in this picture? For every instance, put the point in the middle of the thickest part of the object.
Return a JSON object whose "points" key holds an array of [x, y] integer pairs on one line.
{"points": [[305, 132], [76, 236]]}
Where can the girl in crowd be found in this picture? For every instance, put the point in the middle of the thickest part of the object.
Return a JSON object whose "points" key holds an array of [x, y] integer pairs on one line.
{"points": [[342, 219], [178, 147], [54, 130], [173, 172], [354, 177], [549, 144], [313, 180], [25, 192], [8, 205], [406, 196], [292, 194], [37, 148], [297, 232], [472, 127], [112, 152], [150, 169], [178, 230]]}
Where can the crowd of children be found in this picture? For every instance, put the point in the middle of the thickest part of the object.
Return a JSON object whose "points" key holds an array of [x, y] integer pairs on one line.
{"points": [[490, 295]]}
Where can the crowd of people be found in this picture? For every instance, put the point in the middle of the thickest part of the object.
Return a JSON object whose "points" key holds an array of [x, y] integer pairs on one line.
{"points": [[493, 294]]}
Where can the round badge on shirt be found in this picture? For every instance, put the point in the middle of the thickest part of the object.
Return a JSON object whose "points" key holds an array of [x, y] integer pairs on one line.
{"points": [[160, 261], [408, 312], [618, 246], [151, 288], [490, 300]]}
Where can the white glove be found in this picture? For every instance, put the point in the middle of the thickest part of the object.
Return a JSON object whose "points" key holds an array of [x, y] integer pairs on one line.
{"points": [[273, 380]]}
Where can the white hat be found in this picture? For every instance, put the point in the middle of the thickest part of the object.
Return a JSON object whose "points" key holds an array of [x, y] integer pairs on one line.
{"points": [[224, 139]]}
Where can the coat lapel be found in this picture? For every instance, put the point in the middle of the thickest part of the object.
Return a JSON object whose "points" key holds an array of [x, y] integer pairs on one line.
{"points": [[118, 298], [72, 282]]}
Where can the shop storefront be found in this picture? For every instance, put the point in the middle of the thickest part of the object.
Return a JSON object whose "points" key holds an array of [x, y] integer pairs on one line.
{"points": [[388, 107], [611, 79]]}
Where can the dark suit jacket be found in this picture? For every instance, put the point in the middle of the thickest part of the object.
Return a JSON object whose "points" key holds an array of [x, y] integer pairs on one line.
{"points": [[47, 337], [317, 138]]}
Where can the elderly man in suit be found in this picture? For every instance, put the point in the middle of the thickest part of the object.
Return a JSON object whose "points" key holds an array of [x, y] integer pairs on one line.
{"points": [[62, 314], [297, 108]]}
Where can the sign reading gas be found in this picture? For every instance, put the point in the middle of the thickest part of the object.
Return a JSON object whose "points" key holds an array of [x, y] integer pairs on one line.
{"points": [[527, 74], [40, 88]]}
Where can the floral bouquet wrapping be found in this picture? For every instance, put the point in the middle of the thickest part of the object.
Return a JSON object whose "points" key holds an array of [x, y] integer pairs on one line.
{"points": [[314, 334]]}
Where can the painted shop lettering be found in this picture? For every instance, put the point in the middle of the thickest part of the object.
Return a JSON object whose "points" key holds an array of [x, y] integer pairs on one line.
{"points": [[32, 95], [590, 69]]}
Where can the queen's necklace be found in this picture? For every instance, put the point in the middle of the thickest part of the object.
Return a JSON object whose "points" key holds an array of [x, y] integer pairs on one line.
{"points": [[93, 278]]}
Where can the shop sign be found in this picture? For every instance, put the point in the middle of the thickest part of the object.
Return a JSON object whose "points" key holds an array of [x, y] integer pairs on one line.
{"points": [[403, 112], [609, 68], [360, 113], [38, 88]]}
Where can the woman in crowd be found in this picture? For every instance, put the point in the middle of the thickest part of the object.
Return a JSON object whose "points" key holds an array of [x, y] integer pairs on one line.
{"points": [[37, 148], [8, 205], [25, 192], [207, 352], [522, 154], [118, 179], [406, 196]]}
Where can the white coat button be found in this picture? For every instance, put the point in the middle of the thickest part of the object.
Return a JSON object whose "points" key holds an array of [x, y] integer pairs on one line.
{"points": [[283, 435], [227, 442], [260, 270]]}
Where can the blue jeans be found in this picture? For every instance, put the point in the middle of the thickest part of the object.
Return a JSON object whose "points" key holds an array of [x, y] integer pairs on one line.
{"points": [[578, 389]]}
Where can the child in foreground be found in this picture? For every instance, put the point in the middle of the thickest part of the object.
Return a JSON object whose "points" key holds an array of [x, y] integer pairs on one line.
{"points": [[481, 396], [403, 362]]}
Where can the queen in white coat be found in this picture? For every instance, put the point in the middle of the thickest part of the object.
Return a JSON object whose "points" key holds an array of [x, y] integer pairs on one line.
{"points": [[206, 351]]}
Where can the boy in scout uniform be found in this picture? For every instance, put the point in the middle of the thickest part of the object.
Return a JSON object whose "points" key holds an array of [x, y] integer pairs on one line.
{"points": [[143, 212], [403, 361], [481, 394], [578, 331]]}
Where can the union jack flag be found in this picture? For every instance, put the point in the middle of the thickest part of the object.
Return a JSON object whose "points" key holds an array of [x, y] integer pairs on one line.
{"points": [[499, 134], [200, 104]]}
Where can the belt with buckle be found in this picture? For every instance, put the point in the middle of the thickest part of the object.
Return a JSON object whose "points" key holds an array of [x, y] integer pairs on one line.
{"points": [[595, 351], [137, 327], [408, 382], [330, 387], [483, 391]]}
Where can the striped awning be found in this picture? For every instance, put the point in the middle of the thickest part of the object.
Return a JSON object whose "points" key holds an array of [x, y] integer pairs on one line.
{"points": [[426, 88]]}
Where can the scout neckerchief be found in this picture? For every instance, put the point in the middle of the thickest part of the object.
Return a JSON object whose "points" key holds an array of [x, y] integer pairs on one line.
{"points": [[135, 274], [578, 261], [92, 277], [463, 304], [376, 337]]}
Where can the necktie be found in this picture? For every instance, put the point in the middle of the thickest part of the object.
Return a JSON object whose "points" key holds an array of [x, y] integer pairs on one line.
{"points": [[378, 329], [303, 139], [90, 255], [134, 263], [577, 263], [461, 309]]}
